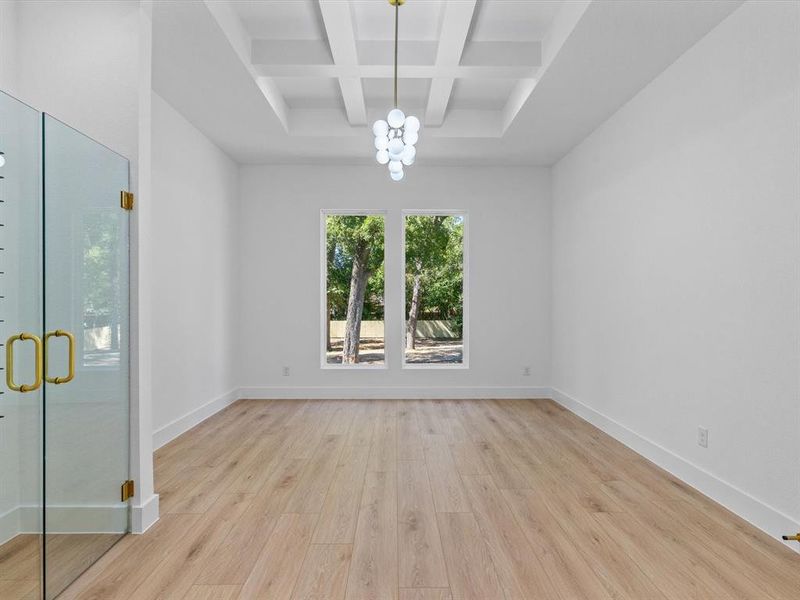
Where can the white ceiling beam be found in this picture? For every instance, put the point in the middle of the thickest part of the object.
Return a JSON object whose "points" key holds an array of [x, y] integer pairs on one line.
{"points": [[381, 53], [456, 22], [407, 72], [241, 43], [338, 19]]}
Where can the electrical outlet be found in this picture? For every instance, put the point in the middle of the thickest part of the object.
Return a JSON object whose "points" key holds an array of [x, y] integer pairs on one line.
{"points": [[285, 371], [702, 437], [526, 371]]}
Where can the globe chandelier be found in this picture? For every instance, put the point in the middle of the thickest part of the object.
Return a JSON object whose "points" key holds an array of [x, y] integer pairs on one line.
{"points": [[396, 137]]}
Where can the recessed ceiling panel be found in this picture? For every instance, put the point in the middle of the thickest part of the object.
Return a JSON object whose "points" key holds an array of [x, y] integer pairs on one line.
{"points": [[281, 19], [513, 21], [310, 92], [491, 94]]}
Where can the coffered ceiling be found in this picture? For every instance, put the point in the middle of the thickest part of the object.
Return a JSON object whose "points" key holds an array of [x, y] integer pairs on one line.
{"points": [[498, 81]]}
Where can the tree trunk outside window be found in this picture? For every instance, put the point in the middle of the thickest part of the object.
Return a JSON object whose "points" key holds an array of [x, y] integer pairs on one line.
{"points": [[355, 303]]}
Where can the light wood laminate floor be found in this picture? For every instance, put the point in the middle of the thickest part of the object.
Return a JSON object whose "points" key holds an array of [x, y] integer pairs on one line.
{"points": [[429, 500]]}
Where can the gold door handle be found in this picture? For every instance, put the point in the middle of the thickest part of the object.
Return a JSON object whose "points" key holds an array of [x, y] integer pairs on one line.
{"points": [[71, 344], [37, 346]]}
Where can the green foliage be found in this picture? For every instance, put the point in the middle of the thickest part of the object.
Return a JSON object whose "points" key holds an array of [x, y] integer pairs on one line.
{"points": [[435, 251], [101, 271], [344, 234]]}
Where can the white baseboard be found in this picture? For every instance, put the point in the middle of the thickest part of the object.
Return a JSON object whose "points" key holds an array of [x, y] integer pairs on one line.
{"points": [[144, 515], [773, 522], [9, 525], [391, 393], [170, 431], [27, 518]]}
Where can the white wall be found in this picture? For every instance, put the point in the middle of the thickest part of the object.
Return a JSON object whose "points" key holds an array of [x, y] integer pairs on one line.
{"points": [[676, 246], [8, 46], [195, 274], [509, 263], [78, 61]]}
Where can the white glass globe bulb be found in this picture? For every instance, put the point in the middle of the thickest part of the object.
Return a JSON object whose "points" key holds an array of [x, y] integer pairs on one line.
{"points": [[395, 166], [411, 137], [380, 128], [2, 160], [397, 176], [382, 157], [409, 154], [381, 143], [396, 118], [412, 124], [395, 146]]}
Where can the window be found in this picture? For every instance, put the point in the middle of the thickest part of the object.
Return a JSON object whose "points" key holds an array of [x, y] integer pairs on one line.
{"points": [[435, 289], [353, 272]]}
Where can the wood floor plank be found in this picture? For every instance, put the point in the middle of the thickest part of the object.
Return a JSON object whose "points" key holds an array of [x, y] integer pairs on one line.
{"points": [[176, 573], [519, 570], [448, 490], [470, 567], [234, 558], [373, 569], [20, 558], [419, 546], [309, 494], [324, 573], [425, 594], [605, 557], [383, 452], [273, 497], [564, 565], [122, 570], [504, 472], [213, 592], [278, 566], [467, 459], [18, 588], [337, 521], [409, 441]]}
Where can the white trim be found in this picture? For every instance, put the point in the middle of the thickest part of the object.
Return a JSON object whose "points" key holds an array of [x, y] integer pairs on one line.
{"points": [[144, 516], [27, 519], [323, 287], [770, 520], [391, 392], [464, 364], [171, 430], [9, 525]]}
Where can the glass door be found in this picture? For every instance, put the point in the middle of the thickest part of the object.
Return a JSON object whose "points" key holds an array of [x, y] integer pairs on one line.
{"points": [[86, 342], [20, 343]]}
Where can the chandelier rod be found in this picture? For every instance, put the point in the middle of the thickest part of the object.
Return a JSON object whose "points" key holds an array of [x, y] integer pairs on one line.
{"points": [[396, 29]]}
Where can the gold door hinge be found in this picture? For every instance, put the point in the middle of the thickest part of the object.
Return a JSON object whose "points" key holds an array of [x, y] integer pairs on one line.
{"points": [[128, 490], [126, 200]]}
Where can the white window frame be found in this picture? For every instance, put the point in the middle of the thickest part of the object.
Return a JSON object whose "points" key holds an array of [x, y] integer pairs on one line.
{"points": [[464, 364], [323, 287]]}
